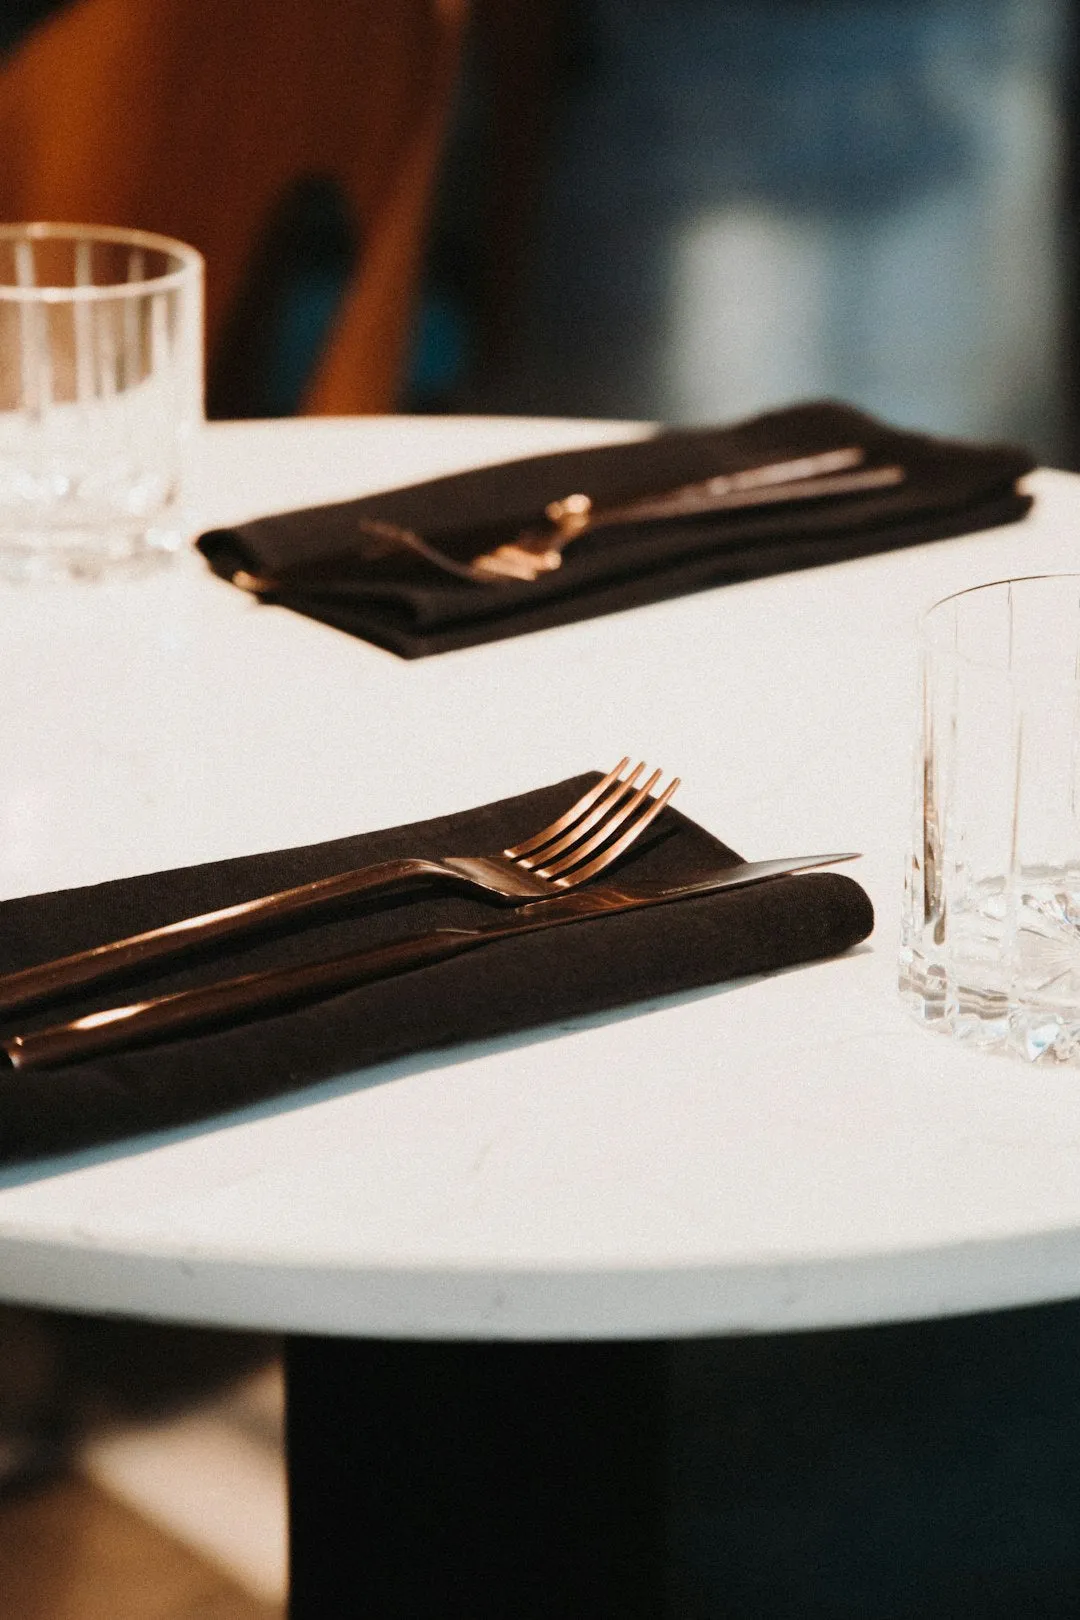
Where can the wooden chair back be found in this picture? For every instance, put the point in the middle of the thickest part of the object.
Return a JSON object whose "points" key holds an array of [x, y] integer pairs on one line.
{"points": [[197, 117]]}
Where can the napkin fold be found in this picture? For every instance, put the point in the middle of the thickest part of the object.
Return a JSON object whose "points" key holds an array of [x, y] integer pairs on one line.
{"points": [[513, 984], [323, 568]]}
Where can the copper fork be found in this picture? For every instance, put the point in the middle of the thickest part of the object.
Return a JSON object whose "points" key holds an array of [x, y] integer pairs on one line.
{"points": [[577, 846], [534, 552], [539, 551], [805, 478]]}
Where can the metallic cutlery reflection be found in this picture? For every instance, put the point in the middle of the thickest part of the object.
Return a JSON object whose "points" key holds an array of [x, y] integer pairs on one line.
{"points": [[115, 1028], [539, 551], [577, 846]]}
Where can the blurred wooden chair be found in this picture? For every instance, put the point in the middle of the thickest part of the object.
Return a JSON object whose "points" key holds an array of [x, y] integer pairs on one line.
{"points": [[212, 120]]}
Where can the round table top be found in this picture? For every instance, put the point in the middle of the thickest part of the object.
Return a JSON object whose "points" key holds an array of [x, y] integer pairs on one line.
{"points": [[784, 1152]]}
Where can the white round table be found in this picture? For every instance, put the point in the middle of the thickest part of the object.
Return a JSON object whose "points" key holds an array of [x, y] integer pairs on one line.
{"points": [[780, 1153]]}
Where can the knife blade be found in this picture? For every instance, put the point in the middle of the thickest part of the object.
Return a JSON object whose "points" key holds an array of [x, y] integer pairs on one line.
{"points": [[115, 1028]]}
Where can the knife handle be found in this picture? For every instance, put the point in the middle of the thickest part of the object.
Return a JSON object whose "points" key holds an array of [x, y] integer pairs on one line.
{"points": [[186, 1010]]}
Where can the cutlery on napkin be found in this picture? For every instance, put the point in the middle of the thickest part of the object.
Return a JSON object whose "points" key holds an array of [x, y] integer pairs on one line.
{"points": [[583, 841], [127, 1024], [512, 984], [540, 550], [326, 562]]}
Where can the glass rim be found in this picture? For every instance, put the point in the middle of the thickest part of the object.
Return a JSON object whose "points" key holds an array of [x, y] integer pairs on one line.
{"points": [[934, 624], [993, 585], [191, 263]]}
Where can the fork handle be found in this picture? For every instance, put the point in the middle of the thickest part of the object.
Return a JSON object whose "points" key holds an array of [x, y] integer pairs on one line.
{"points": [[48, 979]]}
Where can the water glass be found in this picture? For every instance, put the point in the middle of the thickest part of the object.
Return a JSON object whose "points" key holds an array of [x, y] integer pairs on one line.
{"points": [[101, 396], [990, 948]]}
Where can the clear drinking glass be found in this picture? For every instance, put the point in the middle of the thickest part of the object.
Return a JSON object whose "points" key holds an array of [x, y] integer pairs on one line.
{"points": [[101, 395], [990, 947]]}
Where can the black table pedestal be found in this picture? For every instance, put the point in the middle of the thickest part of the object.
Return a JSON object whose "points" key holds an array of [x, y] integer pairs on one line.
{"points": [[439, 1480]]}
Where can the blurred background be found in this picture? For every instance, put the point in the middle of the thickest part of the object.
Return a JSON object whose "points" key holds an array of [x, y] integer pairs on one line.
{"points": [[726, 206], [680, 210]]}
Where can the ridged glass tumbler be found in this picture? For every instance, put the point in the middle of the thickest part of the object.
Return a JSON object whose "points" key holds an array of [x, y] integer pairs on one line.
{"points": [[990, 949], [101, 396]]}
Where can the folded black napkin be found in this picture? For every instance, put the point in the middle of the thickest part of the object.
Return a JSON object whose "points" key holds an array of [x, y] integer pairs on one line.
{"points": [[323, 566], [508, 985]]}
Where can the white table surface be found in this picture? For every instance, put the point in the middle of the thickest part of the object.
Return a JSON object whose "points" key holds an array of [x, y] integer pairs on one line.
{"points": [[786, 1152]]}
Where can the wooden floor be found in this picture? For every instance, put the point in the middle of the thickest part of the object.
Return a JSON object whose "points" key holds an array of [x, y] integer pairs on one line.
{"points": [[69, 1551]]}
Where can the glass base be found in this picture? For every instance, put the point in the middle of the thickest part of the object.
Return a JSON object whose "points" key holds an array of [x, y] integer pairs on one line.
{"points": [[87, 554], [988, 1019], [1005, 975]]}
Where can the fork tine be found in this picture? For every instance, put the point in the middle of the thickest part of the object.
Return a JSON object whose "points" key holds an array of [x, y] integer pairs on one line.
{"points": [[587, 799], [611, 823], [606, 856], [599, 812], [628, 818]]}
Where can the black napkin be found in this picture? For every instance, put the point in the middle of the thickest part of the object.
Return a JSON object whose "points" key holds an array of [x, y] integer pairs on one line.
{"points": [[507, 985], [324, 568]]}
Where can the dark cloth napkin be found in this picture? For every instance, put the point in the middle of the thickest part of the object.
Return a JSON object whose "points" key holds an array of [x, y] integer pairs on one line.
{"points": [[324, 568], [508, 985]]}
